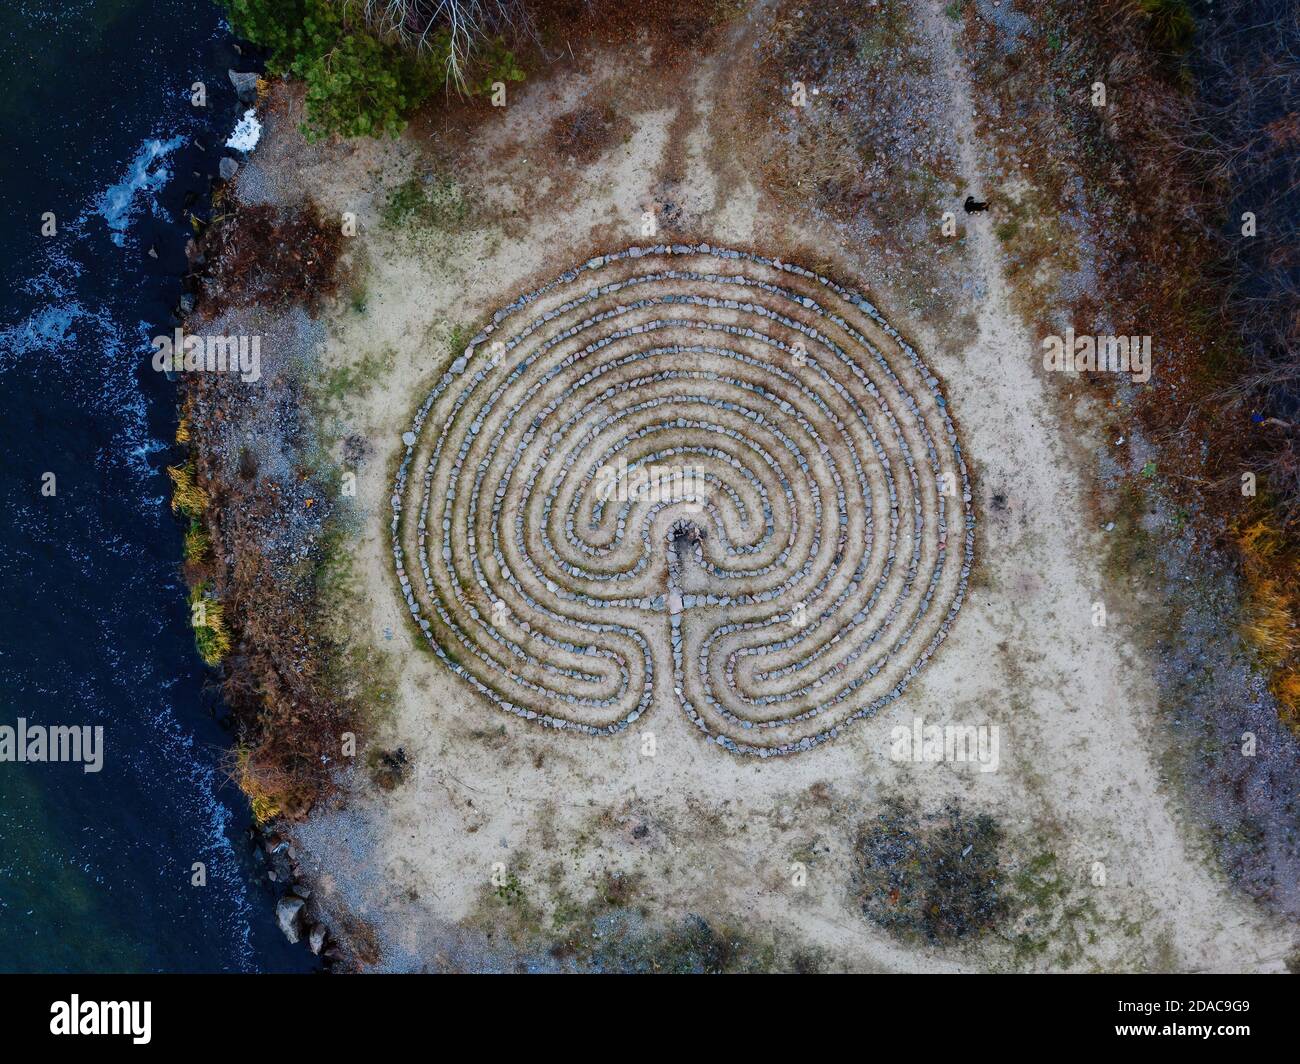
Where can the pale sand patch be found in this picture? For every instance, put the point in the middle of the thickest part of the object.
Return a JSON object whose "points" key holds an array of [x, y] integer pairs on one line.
{"points": [[1079, 773]]}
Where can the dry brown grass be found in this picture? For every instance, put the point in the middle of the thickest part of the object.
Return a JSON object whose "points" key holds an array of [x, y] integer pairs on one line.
{"points": [[586, 133], [272, 258], [1270, 619]]}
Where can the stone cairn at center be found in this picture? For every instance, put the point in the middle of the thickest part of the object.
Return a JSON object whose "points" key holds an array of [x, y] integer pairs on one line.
{"points": [[685, 475]]}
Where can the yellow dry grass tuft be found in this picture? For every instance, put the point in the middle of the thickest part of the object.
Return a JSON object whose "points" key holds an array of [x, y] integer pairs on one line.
{"points": [[1286, 686], [259, 791], [198, 544], [1268, 622], [1271, 613], [187, 496], [210, 633], [1260, 540]]}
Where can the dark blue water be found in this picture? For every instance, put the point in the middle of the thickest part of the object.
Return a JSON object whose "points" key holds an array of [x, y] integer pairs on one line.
{"points": [[96, 126]]}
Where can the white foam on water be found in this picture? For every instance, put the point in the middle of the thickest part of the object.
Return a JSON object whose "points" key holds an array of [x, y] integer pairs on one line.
{"points": [[248, 131], [147, 173]]}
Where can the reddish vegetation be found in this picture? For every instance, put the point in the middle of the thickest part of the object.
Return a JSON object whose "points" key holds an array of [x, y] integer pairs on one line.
{"points": [[587, 132], [674, 28], [272, 258]]}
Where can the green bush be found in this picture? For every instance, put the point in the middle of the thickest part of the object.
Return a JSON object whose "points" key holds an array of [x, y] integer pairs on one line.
{"points": [[363, 87], [357, 83], [292, 31], [1171, 22], [497, 63]]}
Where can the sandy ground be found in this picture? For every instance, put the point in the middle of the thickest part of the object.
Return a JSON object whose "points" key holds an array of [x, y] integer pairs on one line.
{"points": [[704, 831]]}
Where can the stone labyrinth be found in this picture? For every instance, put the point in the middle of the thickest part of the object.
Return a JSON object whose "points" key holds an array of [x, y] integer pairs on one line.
{"points": [[686, 475]]}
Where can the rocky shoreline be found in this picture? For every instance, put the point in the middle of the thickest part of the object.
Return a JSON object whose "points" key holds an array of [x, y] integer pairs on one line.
{"points": [[295, 913]]}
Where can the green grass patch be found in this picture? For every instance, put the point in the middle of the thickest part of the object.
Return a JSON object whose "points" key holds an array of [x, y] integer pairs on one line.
{"points": [[426, 202], [357, 378]]}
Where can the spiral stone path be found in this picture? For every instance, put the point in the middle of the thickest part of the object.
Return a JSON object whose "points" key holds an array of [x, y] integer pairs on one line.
{"points": [[686, 475]]}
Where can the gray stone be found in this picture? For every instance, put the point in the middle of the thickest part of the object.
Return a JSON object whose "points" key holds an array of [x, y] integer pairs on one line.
{"points": [[245, 84], [288, 914]]}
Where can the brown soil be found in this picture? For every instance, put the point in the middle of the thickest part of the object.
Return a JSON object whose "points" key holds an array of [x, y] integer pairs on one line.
{"points": [[271, 258]]}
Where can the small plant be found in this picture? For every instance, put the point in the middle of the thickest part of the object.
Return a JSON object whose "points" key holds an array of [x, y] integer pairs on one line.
{"points": [[617, 889], [188, 497], [210, 633], [356, 378], [509, 890], [1171, 23], [426, 202], [497, 63], [198, 544], [1006, 231]]}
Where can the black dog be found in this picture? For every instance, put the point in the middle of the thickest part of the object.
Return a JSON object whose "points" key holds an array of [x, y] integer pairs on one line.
{"points": [[974, 206]]}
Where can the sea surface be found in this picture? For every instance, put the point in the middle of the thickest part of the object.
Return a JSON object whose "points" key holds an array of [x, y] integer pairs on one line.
{"points": [[97, 870]]}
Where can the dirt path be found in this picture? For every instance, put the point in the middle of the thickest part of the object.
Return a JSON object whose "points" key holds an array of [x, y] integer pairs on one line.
{"points": [[1092, 755]]}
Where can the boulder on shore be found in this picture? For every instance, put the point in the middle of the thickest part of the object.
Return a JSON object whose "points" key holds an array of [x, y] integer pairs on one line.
{"points": [[288, 914], [245, 85]]}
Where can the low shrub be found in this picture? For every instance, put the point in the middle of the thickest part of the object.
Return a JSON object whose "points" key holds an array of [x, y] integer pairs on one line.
{"points": [[362, 79], [188, 497], [210, 633]]}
